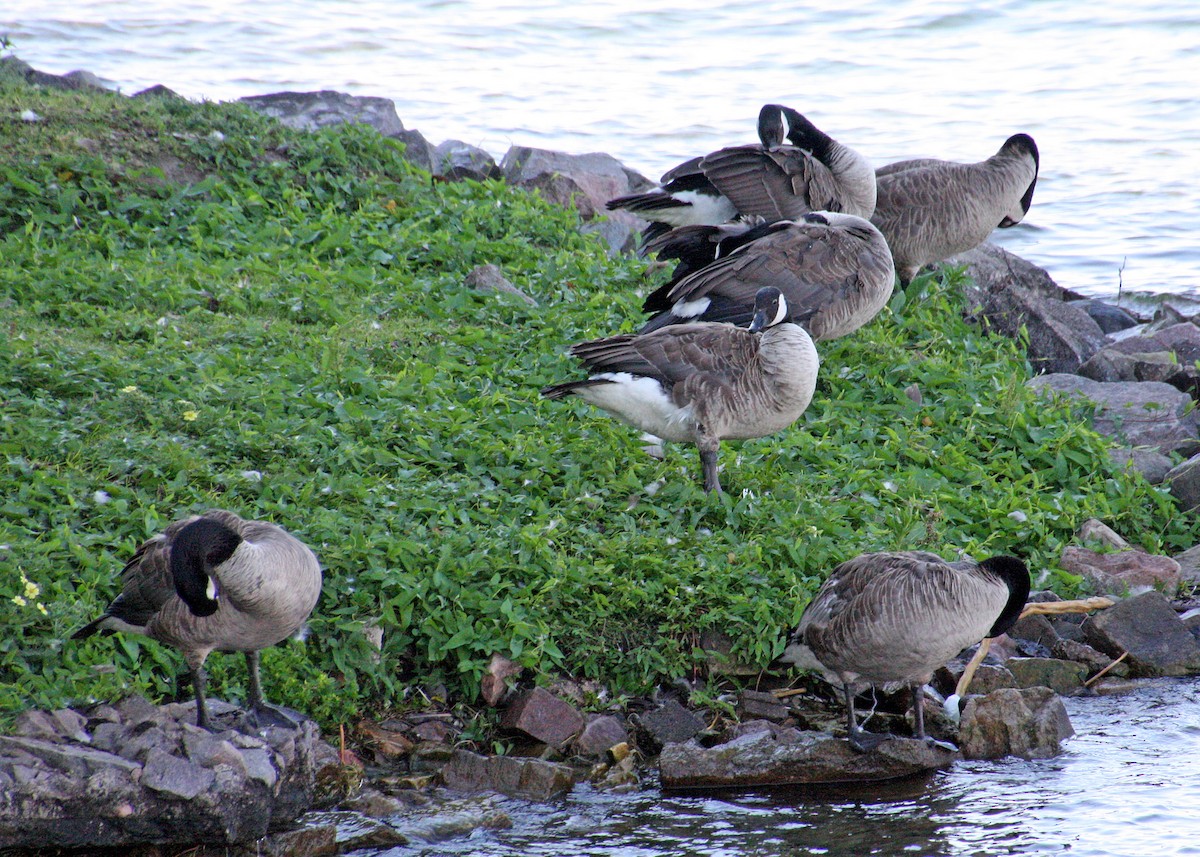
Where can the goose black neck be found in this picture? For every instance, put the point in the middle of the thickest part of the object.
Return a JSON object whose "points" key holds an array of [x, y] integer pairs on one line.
{"points": [[806, 135], [1013, 573], [197, 548]]}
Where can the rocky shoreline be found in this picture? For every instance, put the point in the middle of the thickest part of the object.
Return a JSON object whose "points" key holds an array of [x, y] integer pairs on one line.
{"points": [[138, 777]]}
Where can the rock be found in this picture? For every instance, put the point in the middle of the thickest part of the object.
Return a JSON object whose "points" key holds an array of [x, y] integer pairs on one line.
{"points": [[718, 648], [374, 804], [529, 778], [670, 723], [1138, 414], [487, 278], [310, 111], [994, 269], [754, 704], [1151, 632], [1061, 337], [782, 756], [1063, 677], [1152, 464], [544, 717], [1092, 659], [618, 236], [1189, 565], [174, 776], [157, 91], [71, 80], [601, 733], [456, 160], [1183, 481], [387, 743], [494, 687], [1030, 722], [1118, 573], [1110, 364], [417, 150], [1034, 627], [308, 841], [585, 182], [428, 757], [1110, 318]]}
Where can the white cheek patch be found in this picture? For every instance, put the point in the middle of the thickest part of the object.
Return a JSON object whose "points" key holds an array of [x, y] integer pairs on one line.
{"points": [[691, 309], [781, 312]]}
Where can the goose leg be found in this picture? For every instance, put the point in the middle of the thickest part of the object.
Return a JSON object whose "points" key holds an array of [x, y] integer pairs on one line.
{"points": [[859, 738], [919, 717], [708, 461], [199, 683], [262, 713]]}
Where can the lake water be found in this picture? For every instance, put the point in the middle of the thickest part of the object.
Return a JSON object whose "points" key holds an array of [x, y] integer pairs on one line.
{"points": [[1127, 785], [1109, 89]]}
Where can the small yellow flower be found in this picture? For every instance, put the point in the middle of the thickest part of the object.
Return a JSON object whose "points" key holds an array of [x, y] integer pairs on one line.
{"points": [[32, 590], [132, 388], [42, 608], [190, 416], [18, 600]]}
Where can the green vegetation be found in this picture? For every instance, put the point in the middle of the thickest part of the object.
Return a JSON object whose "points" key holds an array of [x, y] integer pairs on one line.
{"points": [[202, 308]]}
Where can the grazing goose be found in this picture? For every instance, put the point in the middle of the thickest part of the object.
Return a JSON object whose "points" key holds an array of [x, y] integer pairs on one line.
{"points": [[834, 269], [703, 383], [897, 617], [930, 210], [769, 179], [216, 582]]}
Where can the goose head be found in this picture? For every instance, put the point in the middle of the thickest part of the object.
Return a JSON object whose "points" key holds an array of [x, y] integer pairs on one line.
{"points": [[198, 548], [1021, 146], [1013, 573], [770, 309]]}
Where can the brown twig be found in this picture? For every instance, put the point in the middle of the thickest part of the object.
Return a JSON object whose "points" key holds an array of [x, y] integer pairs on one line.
{"points": [[1123, 656]]}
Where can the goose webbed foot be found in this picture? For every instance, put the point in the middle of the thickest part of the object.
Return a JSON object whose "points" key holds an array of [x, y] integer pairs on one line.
{"points": [[940, 745], [864, 742], [265, 715], [708, 462]]}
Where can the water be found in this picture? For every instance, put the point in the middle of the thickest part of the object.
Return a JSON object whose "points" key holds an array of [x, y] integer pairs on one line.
{"points": [[1108, 88], [1127, 786]]}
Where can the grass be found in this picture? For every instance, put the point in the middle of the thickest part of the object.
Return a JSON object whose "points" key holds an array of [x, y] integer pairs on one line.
{"points": [[202, 308]]}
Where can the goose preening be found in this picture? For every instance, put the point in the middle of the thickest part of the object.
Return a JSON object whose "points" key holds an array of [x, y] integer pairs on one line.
{"points": [[895, 617], [216, 582], [703, 383], [930, 210], [770, 179], [834, 269]]}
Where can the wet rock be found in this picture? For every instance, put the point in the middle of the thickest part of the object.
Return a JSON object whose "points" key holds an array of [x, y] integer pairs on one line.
{"points": [[1030, 723], [310, 111], [1138, 414], [456, 160], [308, 841], [1183, 481], [488, 278], [530, 778], [544, 717], [1151, 632], [599, 735], [1110, 318], [385, 741], [783, 756], [1061, 676], [374, 804], [754, 704], [150, 778], [429, 757], [1118, 573], [670, 723]]}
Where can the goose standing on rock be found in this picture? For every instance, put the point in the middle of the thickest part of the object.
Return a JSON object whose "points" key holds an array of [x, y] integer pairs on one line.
{"points": [[834, 269], [771, 179], [930, 210], [896, 617], [217, 582], [703, 383]]}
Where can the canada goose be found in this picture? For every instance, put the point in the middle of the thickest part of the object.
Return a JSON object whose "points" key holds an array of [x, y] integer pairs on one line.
{"points": [[768, 179], [896, 617], [834, 269], [216, 582], [930, 210], [703, 383]]}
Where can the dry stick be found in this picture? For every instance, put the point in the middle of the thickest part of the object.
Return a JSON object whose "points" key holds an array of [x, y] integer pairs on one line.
{"points": [[1088, 683]]}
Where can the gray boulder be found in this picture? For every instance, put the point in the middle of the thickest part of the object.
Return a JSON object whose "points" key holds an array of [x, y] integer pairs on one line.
{"points": [[1030, 723], [1152, 464], [1151, 632], [1061, 676], [785, 756], [456, 160], [309, 111], [1183, 480], [530, 778], [417, 150], [668, 724], [1062, 337], [994, 269], [1139, 414], [1110, 318], [1123, 571], [1189, 565]]}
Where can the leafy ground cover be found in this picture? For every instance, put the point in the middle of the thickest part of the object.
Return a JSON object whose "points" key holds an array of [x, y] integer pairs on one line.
{"points": [[199, 307]]}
